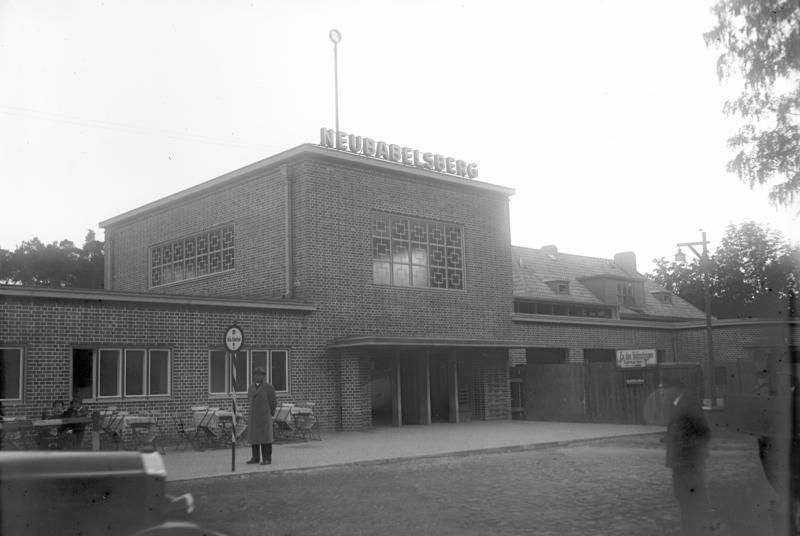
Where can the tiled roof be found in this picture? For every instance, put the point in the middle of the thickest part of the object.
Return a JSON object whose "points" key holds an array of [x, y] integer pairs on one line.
{"points": [[533, 267]]}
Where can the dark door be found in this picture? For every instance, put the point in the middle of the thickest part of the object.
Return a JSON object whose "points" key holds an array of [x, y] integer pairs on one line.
{"points": [[440, 389]]}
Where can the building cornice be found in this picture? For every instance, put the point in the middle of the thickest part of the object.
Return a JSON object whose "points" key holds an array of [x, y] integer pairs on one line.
{"points": [[424, 342], [142, 298], [589, 321], [739, 322], [253, 170], [650, 324]]}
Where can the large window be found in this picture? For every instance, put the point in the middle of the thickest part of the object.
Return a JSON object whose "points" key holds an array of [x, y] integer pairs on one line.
{"points": [[415, 253], [10, 374], [561, 309], [189, 258], [120, 373], [221, 370]]}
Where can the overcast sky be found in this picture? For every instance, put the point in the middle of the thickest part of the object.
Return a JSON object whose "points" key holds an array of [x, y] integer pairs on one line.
{"points": [[604, 116]]}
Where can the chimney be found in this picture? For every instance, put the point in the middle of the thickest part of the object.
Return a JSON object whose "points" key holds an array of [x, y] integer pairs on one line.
{"points": [[627, 261], [550, 250]]}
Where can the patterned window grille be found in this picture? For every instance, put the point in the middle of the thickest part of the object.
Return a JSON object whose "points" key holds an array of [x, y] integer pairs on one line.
{"points": [[408, 252], [189, 258]]}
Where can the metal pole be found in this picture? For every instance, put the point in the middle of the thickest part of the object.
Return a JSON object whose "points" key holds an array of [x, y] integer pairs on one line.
{"points": [[233, 419], [335, 36], [336, 85], [709, 328]]}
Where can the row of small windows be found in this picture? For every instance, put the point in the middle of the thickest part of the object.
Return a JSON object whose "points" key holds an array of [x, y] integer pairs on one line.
{"points": [[142, 373], [409, 252], [189, 258], [561, 309]]}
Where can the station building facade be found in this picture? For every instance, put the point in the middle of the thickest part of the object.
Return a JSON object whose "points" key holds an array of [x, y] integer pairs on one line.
{"points": [[384, 290]]}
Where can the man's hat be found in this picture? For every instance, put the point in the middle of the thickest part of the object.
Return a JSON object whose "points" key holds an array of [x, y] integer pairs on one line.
{"points": [[260, 370]]}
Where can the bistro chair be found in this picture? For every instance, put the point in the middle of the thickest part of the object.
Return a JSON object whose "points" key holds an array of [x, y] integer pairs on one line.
{"points": [[113, 426], [283, 423], [205, 420], [145, 433], [305, 422], [187, 434]]}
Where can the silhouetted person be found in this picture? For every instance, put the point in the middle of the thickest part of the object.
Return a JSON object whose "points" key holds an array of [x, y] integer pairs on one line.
{"points": [[687, 438], [72, 434]]}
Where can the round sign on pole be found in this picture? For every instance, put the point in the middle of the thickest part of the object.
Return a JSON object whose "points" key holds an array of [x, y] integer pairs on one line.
{"points": [[234, 339]]}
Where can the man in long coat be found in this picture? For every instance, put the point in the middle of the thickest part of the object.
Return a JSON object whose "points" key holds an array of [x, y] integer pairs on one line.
{"points": [[261, 396]]}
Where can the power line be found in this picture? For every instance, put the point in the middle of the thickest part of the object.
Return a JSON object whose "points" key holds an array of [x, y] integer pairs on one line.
{"points": [[131, 129]]}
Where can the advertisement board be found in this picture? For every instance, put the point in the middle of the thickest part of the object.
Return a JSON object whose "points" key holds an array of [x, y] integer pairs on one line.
{"points": [[636, 358]]}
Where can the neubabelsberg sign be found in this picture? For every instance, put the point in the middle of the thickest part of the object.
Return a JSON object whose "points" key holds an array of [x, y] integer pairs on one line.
{"points": [[396, 153]]}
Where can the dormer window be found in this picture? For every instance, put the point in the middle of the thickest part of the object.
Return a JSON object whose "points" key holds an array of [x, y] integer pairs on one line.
{"points": [[559, 286], [663, 296], [625, 294]]}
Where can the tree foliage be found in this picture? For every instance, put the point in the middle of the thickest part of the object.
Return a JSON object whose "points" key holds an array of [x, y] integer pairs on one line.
{"points": [[58, 264], [760, 43], [754, 272]]}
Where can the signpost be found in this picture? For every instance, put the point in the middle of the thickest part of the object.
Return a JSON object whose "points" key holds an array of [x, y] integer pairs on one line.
{"points": [[234, 340]]}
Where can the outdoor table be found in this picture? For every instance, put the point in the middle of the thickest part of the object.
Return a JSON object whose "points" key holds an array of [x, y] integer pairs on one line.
{"points": [[45, 424], [15, 433], [144, 431], [305, 422]]}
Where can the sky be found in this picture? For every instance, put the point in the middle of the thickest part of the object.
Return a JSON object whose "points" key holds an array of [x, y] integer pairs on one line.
{"points": [[604, 116]]}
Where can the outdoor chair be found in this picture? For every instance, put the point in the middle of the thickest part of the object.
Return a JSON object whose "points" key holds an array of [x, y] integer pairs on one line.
{"points": [[206, 421], [187, 434], [305, 422], [283, 423], [146, 434], [113, 425]]}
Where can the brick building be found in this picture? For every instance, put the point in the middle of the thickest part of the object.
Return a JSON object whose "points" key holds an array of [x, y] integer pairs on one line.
{"points": [[385, 290]]}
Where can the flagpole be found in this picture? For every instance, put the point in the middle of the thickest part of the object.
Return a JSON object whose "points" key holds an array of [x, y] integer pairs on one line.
{"points": [[335, 37]]}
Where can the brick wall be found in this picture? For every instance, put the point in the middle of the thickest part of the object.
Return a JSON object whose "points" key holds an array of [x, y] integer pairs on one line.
{"points": [[334, 209], [255, 206], [49, 329], [356, 392]]}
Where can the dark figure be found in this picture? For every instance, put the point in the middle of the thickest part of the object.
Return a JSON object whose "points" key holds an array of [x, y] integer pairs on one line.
{"points": [[687, 439], [780, 459], [72, 434], [261, 396], [49, 437]]}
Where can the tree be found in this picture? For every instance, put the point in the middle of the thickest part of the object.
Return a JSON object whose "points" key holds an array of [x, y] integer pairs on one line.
{"points": [[755, 272], [58, 264], [760, 40]]}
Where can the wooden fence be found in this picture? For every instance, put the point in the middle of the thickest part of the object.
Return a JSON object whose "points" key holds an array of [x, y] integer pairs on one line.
{"points": [[599, 392]]}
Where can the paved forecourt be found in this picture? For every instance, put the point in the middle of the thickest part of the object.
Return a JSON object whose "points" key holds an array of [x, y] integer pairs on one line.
{"points": [[390, 443]]}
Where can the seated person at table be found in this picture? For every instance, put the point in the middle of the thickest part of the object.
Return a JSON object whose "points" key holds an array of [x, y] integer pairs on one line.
{"points": [[48, 437], [72, 434]]}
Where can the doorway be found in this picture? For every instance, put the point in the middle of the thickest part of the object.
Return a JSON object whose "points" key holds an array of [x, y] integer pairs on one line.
{"points": [[381, 374], [440, 388]]}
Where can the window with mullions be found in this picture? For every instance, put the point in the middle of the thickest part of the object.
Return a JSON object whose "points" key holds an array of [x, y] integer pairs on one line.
{"points": [[146, 372], [625, 294], [10, 374], [221, 366], [118, 373], [189, 258], [408, 252]]}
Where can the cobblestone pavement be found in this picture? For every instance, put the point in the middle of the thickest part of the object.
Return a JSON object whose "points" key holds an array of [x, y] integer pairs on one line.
{"points": [[608, 487]]}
